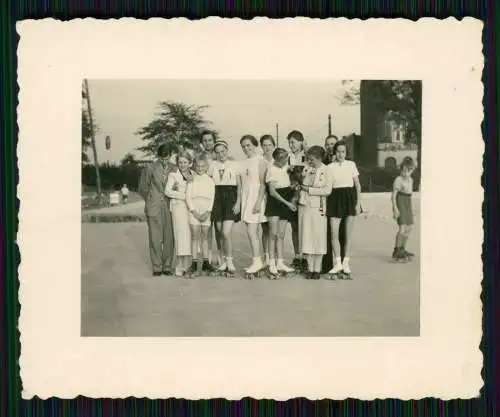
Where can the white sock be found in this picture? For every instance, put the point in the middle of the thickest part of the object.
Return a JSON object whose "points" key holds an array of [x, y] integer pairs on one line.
{"points": [[346, 261], [338, 260]]}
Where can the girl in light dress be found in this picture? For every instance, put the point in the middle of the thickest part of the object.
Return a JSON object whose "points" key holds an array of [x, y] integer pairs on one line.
{"points": [[296, 162], [344, 202], [268, 145], [227, 202], [175, 189], [253, 198], [200, 195], [279, 210], [314, 221]]}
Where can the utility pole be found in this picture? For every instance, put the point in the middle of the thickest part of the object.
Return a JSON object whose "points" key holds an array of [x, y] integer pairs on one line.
{"points": [[277, 135], [329, 125], [92, 137]]}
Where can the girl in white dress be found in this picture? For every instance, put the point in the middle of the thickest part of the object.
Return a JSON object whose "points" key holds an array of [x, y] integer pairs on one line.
{"points": [[314, 220], [253, 198], [343, 203], [175, 189], [268, 145], [227, 203], [200, 194]]}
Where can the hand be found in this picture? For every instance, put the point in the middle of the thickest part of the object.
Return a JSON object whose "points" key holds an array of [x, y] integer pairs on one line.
{"points": [[358, 209], [205, 216], [292, 207], [395, 214], [256, 209], [196, 215], [305, 188], [236, 209]]}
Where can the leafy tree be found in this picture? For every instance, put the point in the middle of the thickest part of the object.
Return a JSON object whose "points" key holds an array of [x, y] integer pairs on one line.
{"points": [[174, 123], [128, 159], [401, 99]]}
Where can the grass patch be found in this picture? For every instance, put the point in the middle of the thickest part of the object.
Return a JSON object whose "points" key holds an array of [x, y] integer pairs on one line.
{"points": [[112, 218]]}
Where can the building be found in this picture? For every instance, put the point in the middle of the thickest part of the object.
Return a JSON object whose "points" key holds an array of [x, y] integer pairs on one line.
{"points": [[384, 141]]}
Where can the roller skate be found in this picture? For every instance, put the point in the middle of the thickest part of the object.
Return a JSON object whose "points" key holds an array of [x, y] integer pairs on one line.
{"points": [[335, 272], [207, 268], [315, 275], [297, 264], [400, 256], [283, 269], [346, 270], [255, 270], [304, 266], [273, 272], [409, 255], [194, 270]]}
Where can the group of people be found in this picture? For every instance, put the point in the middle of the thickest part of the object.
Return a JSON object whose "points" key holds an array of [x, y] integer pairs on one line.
{"points": [[193, 196]]}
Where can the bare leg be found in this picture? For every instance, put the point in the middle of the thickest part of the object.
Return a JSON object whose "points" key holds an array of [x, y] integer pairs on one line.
{"points": [[253, 237], [204, 241], [227, 237], [265, 240], [334, 226], [195, 241], [349, 226], [280, 241], [273, 225]]}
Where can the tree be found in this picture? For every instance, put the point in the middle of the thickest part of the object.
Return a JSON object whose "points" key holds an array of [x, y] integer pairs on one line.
{"points": [[174, 123], [128, 159], [86, 131], [402, 100]]}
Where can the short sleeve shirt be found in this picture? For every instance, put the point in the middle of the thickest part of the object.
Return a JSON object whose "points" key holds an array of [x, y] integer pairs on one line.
{"points": [[225, 173], [279, 176], [343, 174]]}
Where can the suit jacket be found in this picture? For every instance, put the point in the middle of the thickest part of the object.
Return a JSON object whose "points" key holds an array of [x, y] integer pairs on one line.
{"points": [[152, 187]]}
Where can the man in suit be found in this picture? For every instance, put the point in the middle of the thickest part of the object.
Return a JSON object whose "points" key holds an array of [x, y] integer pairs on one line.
{"points": [[327, 263], [152, 189]]}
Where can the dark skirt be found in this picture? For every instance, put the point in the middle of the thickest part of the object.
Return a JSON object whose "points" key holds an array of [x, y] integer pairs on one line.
{"points": [[224, 201], [342, 202], [275, 208], [403, 203]]}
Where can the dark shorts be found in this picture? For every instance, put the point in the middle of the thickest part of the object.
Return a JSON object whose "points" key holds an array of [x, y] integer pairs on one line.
{"points": [[403, 203], [275, 208], [342, 202], [224, 201]]}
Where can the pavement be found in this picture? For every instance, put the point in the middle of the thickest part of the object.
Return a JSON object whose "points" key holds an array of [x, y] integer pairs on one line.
{"points": [[120, 297]]}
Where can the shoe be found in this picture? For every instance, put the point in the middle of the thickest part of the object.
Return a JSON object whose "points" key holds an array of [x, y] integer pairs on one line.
{"points": [[308, 275], [255, 267], [157, 273], [166, 272], [280, 265], [336, 269], [222, 267], [207, 267], [345, 268], [408, 254], [316, 275], [297, 263], [304, 265]]}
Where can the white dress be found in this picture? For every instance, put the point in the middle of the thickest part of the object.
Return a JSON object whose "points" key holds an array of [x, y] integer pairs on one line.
{"points": [[200, 194], [250, 184], [176, 191], [314, 219]]}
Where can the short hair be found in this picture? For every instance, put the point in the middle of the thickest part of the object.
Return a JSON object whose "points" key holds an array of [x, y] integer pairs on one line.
{"points": [[251, 138], [295, 134], [331, 137], [185, 155], [338, 144], [407, 162], [267, 137], [164, 150], [279, 153], [316, 152], [201, 157], [207, 132]]}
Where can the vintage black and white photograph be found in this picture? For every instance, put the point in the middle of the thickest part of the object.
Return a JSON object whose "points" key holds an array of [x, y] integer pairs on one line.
{"points": [[250, 207]]}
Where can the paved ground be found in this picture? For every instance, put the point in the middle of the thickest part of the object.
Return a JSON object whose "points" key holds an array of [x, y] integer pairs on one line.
{"points": [[121, 298]]}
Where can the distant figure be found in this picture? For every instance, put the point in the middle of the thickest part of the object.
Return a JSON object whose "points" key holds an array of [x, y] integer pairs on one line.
{"points": [[402, 208], [125, 193], [159, 218]]}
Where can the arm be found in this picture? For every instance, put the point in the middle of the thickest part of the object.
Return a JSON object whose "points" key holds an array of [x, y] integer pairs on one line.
{"points": [[189, 199], [273, 193], [262, 188], [144, 182], [169, 189], [237, 205], [357, 185], [395, 189], [322, 191], [212, 194]]}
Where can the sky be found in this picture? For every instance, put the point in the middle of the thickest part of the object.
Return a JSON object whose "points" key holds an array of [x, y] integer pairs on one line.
{"points": [[236, 107]]}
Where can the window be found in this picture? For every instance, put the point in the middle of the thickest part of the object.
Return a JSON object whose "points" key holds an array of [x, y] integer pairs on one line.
{"points": [[390, 163]]}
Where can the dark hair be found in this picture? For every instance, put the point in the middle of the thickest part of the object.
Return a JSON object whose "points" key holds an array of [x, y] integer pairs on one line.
{"points": [[295, 134], [316, 152], [279, 153], [267, 137], [207, 132], [164, 150], [340, 143], [407, 162], [331, 137], [251, 138]]}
